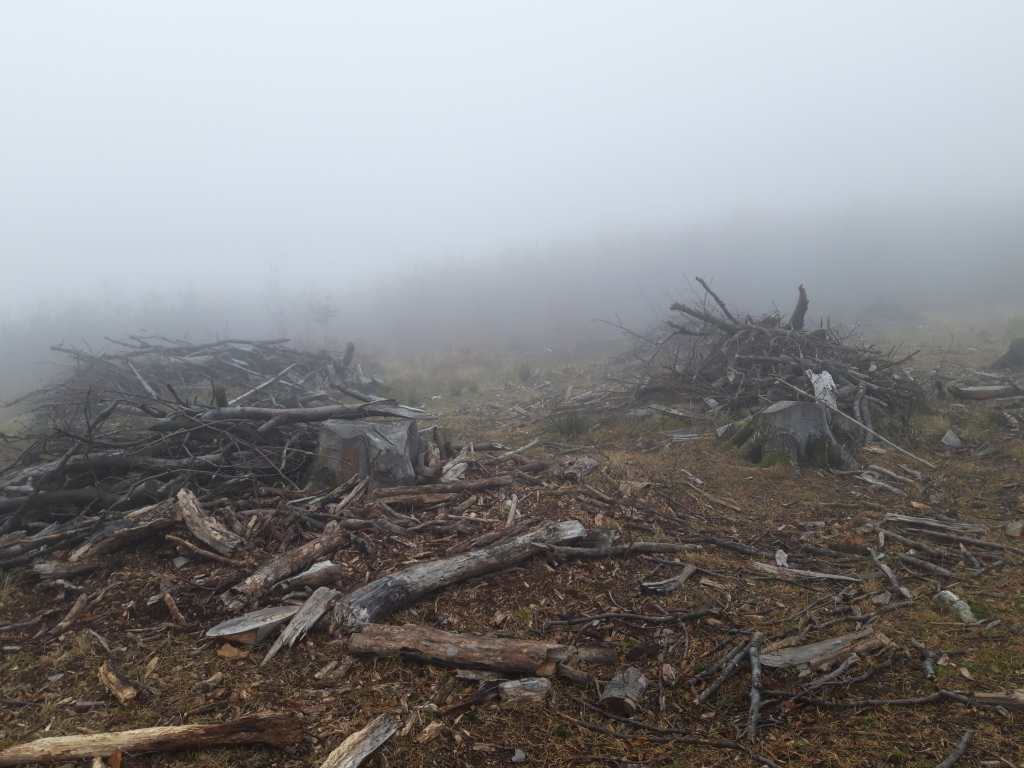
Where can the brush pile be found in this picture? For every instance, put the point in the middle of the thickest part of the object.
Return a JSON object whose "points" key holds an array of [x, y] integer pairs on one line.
{"points": [[120, 431], [719, 362]]}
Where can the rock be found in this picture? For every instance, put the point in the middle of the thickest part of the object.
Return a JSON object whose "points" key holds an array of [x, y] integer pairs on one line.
{"points": [[952, 441]]}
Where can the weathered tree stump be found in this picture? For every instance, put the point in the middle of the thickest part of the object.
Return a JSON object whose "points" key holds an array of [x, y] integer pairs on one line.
{"points": [[1013, 359], [793, 433]]}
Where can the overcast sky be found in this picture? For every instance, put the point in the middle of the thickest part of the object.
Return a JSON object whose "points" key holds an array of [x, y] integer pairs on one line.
{"points": [[169, 143]]}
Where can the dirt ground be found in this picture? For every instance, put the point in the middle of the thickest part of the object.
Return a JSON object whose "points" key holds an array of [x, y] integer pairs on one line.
{"points": [[694, 489]]}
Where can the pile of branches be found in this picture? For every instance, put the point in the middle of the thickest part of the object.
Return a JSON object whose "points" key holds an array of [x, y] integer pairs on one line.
{"points": [[720, 361], [120, 431]]}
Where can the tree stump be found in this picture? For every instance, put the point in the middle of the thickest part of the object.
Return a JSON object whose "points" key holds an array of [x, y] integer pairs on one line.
{"points": [[1013, 359], [793, 433]]}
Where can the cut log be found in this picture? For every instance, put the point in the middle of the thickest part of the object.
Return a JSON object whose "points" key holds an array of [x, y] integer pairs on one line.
{"points": [[271, 572], [134, 526], [434, 646], [1013, 359], [792, 433], [278, 730], [384, 596], [363, 743], [624, 692], [204, 527]]}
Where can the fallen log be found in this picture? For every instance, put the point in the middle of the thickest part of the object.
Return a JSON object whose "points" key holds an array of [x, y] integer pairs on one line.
{"points": [[435, 646], [277, 730], [393, 592], [271, 572]]}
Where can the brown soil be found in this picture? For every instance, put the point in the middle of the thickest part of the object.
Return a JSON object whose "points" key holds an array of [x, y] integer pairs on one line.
{"points": [[669, 495]]}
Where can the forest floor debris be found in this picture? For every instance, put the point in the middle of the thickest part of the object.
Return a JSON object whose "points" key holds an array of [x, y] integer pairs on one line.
{"points": [[613, 604]]}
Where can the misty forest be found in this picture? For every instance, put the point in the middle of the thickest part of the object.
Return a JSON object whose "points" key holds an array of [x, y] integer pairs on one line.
{"points": [[573, 384]]}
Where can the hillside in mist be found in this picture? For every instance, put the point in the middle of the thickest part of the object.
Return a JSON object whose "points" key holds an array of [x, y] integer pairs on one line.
{"points": [[871, 269]]}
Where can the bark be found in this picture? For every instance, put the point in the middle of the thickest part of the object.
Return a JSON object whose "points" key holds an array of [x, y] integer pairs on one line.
{"points": [[278, 730], [434, 646], [383, 597]]}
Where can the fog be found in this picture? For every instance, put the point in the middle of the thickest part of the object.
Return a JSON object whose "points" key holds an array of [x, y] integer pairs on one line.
{"points": [[458, 174]]}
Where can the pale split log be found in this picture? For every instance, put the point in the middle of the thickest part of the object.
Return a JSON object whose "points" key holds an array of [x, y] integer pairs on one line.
{"points": [[363, 743], [393, 592], [623, 693], [303, 620], [254, 626], [435, 646], [204, 527], [277, 730]]}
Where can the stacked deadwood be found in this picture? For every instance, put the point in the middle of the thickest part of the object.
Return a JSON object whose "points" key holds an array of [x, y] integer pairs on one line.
{"points": [[124, 430], [718, 360]]}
